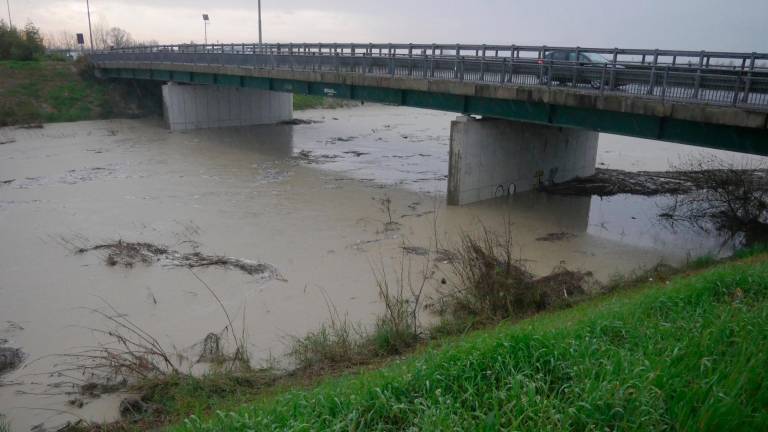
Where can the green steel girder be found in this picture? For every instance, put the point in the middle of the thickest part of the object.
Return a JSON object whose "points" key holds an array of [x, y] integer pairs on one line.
{"points": [[290, 86], [745, 140], [229, 80], [203, 78]]}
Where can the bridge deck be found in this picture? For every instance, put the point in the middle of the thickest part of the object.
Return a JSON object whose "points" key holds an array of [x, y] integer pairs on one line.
{"points": [[709, 99]]}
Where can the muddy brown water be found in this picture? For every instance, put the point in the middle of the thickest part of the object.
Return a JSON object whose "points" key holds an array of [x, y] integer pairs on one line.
{"points": [[302, 198]]}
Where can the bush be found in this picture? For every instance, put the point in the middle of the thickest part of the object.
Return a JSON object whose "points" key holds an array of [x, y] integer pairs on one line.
{"points": [[489, 285], [731, 197], [25, 44]]}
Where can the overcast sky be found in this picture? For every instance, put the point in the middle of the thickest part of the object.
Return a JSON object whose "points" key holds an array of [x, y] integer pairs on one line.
{"points": [[735, 25]]}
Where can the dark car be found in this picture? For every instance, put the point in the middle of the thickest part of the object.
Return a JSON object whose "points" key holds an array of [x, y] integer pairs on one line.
{"points": [[560, 67]]}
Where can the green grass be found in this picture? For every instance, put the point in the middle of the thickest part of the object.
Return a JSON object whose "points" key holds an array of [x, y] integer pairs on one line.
{"points": [[690, 354], [305, 102], [47, 91]]}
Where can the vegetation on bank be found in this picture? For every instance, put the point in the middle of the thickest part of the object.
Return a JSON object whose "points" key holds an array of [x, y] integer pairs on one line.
{"points": [[22, 44], [42, 91], [660, 351], [305, 102], [687, 354]]}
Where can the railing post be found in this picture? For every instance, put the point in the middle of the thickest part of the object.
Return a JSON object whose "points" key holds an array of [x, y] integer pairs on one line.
{"points": [[748, 82], [697, 84], [602, 79], [432, 67], [503, 74], [735, 98], [575, 67], [482, 69], [461, 66], [665, 83], [456, 68], [612, 84], [652, 81]]}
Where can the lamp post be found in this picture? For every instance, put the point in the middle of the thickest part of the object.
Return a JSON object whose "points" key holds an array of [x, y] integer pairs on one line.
{"points": [[206, 20], [259, 23], [90, 32], [10, 23]]}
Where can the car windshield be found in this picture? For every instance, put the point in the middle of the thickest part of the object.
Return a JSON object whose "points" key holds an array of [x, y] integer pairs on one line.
{"points": [[595, 58]]}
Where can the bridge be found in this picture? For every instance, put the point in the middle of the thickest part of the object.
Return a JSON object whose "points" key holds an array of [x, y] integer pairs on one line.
{"points": [[541, 107]]}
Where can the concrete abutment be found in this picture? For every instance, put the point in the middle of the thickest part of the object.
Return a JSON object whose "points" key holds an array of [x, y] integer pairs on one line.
{"points": [[209, 106], [490, 158]]}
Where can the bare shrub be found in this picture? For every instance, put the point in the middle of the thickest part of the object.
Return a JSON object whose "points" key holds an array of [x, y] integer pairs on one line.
{"points": [[338, 342], [489, 284], [730, 197], [131, 354], [399, 328], [5, 426]]}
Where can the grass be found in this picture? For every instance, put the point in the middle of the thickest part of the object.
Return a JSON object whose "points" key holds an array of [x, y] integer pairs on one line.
{"points": [[51, 91], [686, 354], [305, 102]]}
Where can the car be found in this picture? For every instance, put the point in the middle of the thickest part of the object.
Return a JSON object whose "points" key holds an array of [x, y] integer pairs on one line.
{"points": [[561, 70]]}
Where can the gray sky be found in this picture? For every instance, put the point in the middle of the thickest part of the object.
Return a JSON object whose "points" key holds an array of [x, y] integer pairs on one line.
{"points": [[736, 25]]}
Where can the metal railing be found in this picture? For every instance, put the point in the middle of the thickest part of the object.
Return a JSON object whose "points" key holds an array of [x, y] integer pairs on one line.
{"points": [[720, 78]]}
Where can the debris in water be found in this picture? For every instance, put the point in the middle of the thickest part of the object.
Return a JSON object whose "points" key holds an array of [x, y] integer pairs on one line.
{"points": [[309, 157], [10, 358], [556, 237], [128, 254], [5, 182], [356, 153], [31, 126], [340, 139], [441, 255], [297, 121], [211, 349], [607, 182], [7, 141]]}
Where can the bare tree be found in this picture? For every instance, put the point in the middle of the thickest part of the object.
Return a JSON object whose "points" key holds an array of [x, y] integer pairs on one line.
{"points": [[731, 197], [119, 38]]}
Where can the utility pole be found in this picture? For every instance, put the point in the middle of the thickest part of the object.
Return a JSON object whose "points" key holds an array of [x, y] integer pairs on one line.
{"points": [[259, 23], [10, 23], [90, 31]]}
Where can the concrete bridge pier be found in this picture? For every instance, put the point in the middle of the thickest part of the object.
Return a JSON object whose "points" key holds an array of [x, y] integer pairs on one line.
{"points": [[491, 158], [210, 106]]}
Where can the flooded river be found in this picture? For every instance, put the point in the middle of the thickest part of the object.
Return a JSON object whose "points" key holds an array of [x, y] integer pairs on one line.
{"points": [[304, 199]]}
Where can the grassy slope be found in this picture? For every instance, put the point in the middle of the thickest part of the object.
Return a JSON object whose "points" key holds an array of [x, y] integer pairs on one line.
{"points": [[32, 92], [688, 355]]}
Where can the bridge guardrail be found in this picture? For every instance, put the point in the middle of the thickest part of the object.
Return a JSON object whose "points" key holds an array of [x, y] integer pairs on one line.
{"points": [[741, 82]]}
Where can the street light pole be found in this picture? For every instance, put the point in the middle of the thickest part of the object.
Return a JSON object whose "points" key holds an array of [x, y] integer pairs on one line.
{"points": [[10, 23], [90, 31], [205, 27], [259, 23]]}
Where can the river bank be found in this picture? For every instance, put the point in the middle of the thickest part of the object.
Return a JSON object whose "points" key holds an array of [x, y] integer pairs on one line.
{"points": [[45, 91], [481, 367], [306, 199]]}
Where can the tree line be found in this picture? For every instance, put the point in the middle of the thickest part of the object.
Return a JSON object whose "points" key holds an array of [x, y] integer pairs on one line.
{"points": [[104, 37], [20, 43]]}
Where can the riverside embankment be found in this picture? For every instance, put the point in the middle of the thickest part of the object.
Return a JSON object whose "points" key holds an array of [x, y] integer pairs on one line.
{"points": [[304, 199]]}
